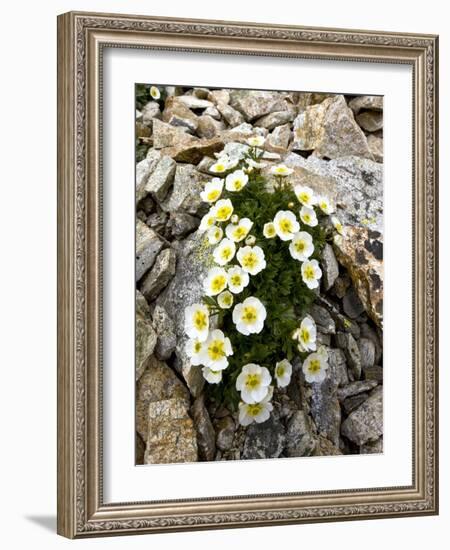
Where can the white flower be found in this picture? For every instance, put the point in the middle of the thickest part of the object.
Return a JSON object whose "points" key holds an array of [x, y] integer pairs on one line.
{"points": [[223, 210], [308, 216], [305, 195], [251, 259], [315, 366], [207, 221], [311, 273], [194, 348], [196, 321], [215, 282], [256, 141], [281, 170], [255, 412], [235, 218], [254, 164], [212, 376], [214, 234], [337, 225], [221, 165], [213, 190], [301, 247], [249, 316], [325, 205], [225, 299], [236, 181], [253, 382], [283, 373], [238, 279], [306, 335], [269, 230], [224, 252], [215, 351], [238, 231], [286, 225], [155, 93]]}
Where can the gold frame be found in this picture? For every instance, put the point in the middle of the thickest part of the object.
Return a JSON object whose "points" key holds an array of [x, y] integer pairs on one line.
{"points": [[81, 37]]}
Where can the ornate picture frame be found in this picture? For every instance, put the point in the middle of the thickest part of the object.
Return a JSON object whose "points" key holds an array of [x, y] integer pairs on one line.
{"points": [[82, 511]]}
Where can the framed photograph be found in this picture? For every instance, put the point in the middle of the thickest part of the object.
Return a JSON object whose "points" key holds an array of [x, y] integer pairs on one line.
{"points": [[247, 277]]}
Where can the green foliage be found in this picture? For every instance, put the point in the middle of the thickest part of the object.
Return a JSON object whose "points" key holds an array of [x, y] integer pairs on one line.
{"points": [[279, 286]]}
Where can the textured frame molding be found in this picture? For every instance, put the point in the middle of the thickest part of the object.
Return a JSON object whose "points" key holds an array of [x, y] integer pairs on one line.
{"points": [[81, 37]]}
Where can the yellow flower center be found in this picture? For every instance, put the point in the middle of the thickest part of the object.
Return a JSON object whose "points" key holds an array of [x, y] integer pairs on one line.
{"points": [[280, 371], [299, 246], [227, 299], [237, 185], [323, 205], [304, 197], [309, 272], [226, 253], [306, 218], [216, 349], [197, 347], [270, 231], [223, 212], [253, 381], [239, 232], [218, 283], [220, 167], [213, 195], [235, 280], [200, 320], [304, 335], [250, 260], [249, 314], [286, 225], [254, 409], [314, 366], [210, 221]]}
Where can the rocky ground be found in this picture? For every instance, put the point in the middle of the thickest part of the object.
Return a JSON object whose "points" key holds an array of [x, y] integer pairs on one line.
{"points": [[334, 143]]}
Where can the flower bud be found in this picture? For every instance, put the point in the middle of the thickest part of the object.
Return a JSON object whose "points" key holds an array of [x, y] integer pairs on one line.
{"points": [[250, 240], [291, 205], [234, 218]]}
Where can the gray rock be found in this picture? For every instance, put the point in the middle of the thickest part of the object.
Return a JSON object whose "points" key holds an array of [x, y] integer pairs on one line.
{"points": [[329, 129], [330, 267], [347, 343], [161, 178], [374, 373], [352, 305], [165, 330], [341, 285], [201, 93], [208, 127], [213, 113], [147, 205], [142, 307], [233, 117], [157, 221], [205, 164], [193, 102], [375, 144], [275, 119], [166, 135], [325, 447], [183, 290], [323, 319], [373, 102], [143, 171], [181, 223], [264, 440], [278, 140], [300, 437], [353, 402], [148, 245], [160, 275], [337, 366], [367, 353], [354, 388], [219, 96], [171, 433], [355, 183], [145, 342], [158, 383], [368, 332], [365, 424], [370, 120], [325, 409], [372, 447], [256, 103], [187, 185], [225, 429], [176, 113], [150, 111], [206, 436]]}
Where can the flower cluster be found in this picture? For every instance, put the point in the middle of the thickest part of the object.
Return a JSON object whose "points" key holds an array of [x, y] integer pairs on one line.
{"points": [[250, 293]]}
